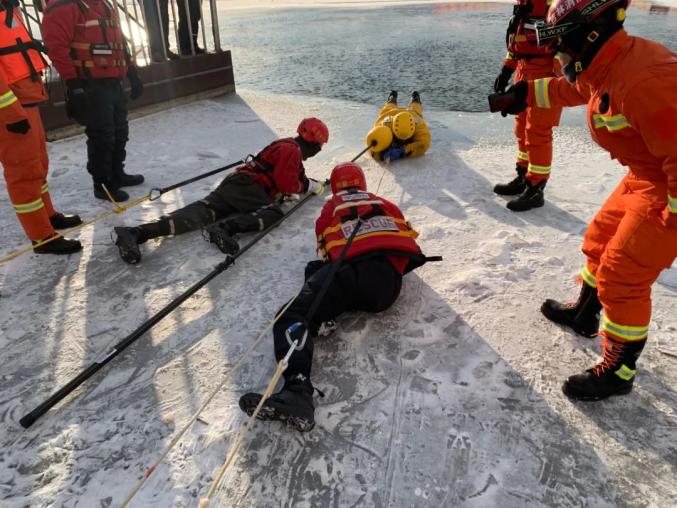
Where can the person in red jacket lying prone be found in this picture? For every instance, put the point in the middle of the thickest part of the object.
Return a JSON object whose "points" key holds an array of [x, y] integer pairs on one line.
{"points": [[368, 279], [246, 200]]}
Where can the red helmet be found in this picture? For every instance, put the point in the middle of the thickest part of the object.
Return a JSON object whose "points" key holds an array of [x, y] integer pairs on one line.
{"points": [[564, 16], [347, 175], [313, 130]]}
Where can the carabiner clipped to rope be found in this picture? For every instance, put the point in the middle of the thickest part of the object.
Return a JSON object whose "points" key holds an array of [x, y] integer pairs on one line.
{"points": [[296, 342]]}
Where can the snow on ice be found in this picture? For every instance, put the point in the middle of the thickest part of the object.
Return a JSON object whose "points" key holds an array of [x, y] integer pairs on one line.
{"points": [[450, 398]]}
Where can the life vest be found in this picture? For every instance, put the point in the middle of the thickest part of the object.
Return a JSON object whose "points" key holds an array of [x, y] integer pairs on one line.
{"points": [[520, 38], [20, 56], [263, 170], [382, 229], [98, 48]]}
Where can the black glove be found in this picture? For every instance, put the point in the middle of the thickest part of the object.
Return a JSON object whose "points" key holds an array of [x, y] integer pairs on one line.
{"points": [[503, 79], [135, 82], [511, 102], [76, 100], [20, 127]]}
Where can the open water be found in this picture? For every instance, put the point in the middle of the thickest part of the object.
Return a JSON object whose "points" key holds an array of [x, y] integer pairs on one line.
{"points": [[451, 53]]}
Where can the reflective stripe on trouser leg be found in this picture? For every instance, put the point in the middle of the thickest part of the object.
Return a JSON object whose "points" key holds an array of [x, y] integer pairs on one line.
{"points": [[588, 277], [539, 144], [626, 333], [47, 200]]}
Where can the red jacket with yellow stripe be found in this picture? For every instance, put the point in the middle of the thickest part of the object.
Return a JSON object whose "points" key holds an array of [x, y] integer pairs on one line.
{"points": [[629, 88], [384, 230], [520, 37], [84, 39]]}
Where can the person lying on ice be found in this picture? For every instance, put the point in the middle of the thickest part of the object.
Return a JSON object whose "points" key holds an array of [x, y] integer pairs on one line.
{"points": [[248, 199], [629, 86], [399, 132], [369, 279]]}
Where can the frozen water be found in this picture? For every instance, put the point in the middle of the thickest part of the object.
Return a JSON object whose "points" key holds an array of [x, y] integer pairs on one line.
{"points": [[450, 52]]}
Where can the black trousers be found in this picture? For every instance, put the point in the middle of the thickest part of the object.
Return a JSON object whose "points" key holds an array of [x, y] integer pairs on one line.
{"points": [[238, 194], [156, 20], [370, 285], [106, 127]]}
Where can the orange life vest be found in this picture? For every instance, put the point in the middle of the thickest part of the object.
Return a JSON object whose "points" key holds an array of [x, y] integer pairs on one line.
{"points": [[383, 228], [20, 56]]}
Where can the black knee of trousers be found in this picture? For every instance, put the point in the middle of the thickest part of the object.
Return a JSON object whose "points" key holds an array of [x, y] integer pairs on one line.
{"points": [[379, 284], [191, 217]]}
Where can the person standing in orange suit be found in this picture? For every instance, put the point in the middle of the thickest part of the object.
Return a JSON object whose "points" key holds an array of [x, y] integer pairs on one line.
{"points": [[23, 151], [533, 127], [629, 86]]}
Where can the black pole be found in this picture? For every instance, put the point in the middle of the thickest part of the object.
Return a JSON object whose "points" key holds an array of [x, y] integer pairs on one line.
{"points": [[104, 359], [156, 193], [373, 143]]}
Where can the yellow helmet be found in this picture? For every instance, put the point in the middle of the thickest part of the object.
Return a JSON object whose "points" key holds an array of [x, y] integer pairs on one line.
{"points": [[404, 125], [379, 138]]}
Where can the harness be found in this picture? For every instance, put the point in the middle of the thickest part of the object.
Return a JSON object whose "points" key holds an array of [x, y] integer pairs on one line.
{"points": [[21, 46], [257, 164]]}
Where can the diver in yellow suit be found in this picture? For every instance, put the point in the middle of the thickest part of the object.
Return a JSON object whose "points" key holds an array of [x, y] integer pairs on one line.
{"points": [[399, 132]]}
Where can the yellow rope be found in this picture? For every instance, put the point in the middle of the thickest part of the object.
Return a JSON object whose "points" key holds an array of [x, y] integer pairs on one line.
{"points": [[117, 208], [192, 420], [281, 367]]}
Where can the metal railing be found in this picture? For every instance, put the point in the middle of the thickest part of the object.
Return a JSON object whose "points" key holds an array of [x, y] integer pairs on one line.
{"points": [[153, 28]]}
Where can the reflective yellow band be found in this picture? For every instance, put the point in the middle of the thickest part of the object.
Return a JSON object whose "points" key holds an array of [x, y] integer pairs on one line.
{"points": [[588, 277], [508, 56], [625, 332], [541, 92], [29, 207], [7, 99], [523, 156], [539, 170], [44, 188], [612, 123], [625, 372], [672, 204]]}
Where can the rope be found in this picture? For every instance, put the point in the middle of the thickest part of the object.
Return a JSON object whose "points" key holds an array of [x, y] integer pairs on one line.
{"points": [[117, 208], [281, 367], [197, 414]]}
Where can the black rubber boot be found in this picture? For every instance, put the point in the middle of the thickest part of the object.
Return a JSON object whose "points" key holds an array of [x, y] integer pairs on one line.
{"points": [[415, 97], [122, 179], [582, 316], [293, 404], [614, 375], [531, 198], [128, 240], [516, 186], [392, 97], [118, 195], [59, 245], [61, 221], [221, 233]]}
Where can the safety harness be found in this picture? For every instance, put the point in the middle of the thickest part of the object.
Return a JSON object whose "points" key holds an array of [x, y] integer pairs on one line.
{"points": [[259, 165], [20, 45]]}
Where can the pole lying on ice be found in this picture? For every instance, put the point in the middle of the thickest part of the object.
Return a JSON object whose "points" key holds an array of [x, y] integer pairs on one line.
{"points": [[30, 418], [373, 143], [157, 192]]}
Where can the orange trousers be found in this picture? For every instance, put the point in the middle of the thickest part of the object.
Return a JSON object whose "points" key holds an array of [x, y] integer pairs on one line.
{"points": [[627, 245], [25, 162], [533, 127]]}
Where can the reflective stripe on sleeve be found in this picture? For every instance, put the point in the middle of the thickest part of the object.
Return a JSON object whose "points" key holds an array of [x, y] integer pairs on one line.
{"points": [[29, 207], [612, 123], [7, 99], [541, 92], [625, 332], [672, 204], [588, 277]]}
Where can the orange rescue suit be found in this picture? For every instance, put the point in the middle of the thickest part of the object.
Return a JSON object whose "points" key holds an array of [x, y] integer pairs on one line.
{"points": [[533, 127], [23, 155], [630, 88]]}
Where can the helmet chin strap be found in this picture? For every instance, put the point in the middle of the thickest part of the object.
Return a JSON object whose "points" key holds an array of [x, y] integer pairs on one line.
{"points": [[582, 45]]}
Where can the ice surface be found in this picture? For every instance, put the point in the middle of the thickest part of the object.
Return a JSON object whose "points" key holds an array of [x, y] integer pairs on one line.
{"points": [[450, 398]]}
